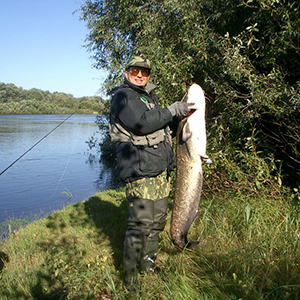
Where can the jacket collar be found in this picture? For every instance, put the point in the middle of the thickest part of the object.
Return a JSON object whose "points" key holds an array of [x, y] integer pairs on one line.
{"points": [[142, 89]]}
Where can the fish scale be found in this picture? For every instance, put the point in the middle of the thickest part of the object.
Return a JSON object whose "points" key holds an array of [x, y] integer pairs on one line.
{"points": [[190, 150]]}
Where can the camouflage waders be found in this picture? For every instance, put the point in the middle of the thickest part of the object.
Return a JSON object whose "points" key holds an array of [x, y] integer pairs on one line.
{"points": [[147, 204]]}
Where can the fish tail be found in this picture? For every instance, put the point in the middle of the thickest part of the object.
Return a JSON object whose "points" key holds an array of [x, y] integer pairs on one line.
{"points": [[191, 245], [183, 243]]}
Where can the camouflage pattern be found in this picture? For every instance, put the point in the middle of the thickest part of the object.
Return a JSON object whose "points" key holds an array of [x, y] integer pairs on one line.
{"points": [[138, 61], [153, 188]]}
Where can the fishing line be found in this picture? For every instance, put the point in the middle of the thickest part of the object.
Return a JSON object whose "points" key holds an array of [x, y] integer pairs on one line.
{"points": [[39, 141], [67, 164]]}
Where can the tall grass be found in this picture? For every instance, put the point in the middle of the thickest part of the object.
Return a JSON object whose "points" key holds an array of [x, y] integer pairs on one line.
{"points": [[249, 249]]}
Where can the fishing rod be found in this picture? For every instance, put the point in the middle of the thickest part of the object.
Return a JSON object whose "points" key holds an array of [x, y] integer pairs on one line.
{"points": [[39, 141]]}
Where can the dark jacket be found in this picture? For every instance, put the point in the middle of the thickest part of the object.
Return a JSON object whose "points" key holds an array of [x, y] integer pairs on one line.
{"points": [[137, 110]]}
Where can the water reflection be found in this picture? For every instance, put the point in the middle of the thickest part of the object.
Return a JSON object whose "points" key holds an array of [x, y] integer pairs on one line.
{"points": [[61, 169], [107, 175]]}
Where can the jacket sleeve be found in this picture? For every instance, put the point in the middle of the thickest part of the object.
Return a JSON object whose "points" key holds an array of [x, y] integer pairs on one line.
{"points": [[135, 115]]}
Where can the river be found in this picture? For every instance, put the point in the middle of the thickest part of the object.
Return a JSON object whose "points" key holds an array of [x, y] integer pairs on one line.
{"points": [[59, 170]]}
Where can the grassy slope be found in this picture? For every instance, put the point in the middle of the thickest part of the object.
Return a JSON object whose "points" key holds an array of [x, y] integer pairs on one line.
{"points": [[248, 250]]}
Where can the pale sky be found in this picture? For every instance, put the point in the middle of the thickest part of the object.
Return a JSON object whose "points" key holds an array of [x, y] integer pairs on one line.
{"points": [[41, 46]]}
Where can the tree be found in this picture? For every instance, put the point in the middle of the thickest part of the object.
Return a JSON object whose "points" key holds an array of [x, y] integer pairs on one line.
{"points": [[10, 93], [15, 100], [245, 54], [35, 94]]}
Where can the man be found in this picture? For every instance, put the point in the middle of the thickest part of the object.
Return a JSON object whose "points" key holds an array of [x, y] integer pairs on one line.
{"points": [[144, 161]]}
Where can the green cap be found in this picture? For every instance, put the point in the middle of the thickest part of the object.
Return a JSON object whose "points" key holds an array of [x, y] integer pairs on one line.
{"points": [[138, 61]]}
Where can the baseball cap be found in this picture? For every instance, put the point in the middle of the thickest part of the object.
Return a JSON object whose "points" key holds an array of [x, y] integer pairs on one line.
{"points": [[138, 61]]}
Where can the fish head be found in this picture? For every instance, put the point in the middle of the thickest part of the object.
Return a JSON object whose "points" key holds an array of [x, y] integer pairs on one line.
{"points": [[195, 97]]}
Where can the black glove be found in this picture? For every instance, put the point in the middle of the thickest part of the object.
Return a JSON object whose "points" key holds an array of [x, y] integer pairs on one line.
{"points": [[179, 109]]}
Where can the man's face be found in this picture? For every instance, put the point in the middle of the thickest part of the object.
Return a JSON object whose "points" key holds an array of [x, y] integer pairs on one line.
{"points": [[138, 75]]}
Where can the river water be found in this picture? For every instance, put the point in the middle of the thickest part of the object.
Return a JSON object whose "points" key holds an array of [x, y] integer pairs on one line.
{"points": [[59, 170]]}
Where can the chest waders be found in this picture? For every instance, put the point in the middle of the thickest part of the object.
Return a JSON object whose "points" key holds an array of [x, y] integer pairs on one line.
{"points": [[147, 218], [148, 196]]}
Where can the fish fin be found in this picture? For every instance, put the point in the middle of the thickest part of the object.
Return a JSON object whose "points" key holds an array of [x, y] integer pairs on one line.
{"points": [[191, 245], [206, 159], [181, 246], [186, 133], [184, 98]]}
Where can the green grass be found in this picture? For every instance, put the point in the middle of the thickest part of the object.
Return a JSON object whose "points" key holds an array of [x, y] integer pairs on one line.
{"points": [[249, 249]]}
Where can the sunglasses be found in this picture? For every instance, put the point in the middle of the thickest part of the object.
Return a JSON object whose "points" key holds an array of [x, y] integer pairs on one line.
{"points": [[144, 72]]}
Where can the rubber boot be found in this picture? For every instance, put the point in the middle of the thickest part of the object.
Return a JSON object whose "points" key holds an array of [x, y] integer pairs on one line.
{"points": [[131, 256], [140, 222], [149, 254], [150, 247], [160, 214]]}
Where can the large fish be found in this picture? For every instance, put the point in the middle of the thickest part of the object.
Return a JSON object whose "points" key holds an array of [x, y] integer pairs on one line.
{"points": [[190, 150]]}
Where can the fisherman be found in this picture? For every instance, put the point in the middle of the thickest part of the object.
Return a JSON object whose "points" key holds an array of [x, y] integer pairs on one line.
{"points": [[144, 161]]}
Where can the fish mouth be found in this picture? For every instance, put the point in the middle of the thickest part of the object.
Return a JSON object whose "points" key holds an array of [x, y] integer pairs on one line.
{"points": [[190, 113]]}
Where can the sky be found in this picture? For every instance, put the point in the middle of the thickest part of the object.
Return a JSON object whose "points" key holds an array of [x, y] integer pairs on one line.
{"points": [[42, 46]]}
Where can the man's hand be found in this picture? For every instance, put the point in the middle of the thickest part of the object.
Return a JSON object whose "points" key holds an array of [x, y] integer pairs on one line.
{"points": [[180, 109]]}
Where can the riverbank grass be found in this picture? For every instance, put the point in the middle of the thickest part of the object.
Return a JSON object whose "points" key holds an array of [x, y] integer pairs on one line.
{"points": [[249, 249]]}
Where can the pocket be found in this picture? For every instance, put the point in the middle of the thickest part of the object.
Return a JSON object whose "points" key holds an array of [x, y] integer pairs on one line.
{"points": [[153, 161], [171, 158]]}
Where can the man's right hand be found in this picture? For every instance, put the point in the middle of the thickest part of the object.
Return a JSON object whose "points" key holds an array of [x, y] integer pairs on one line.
{"points": [[179, 109]]}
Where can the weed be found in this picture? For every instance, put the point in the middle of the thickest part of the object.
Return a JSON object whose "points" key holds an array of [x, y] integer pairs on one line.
{"points": [[249, 249]]}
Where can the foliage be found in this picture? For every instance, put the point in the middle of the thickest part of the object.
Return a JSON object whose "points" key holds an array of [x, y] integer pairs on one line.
{"points": [[249, 249], [245, 54], [16, 100], [104, 146]]}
